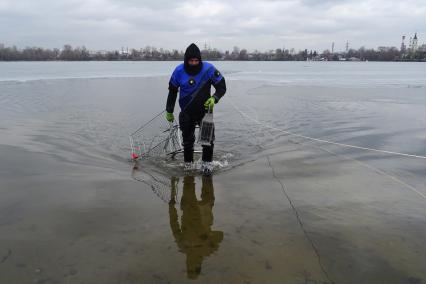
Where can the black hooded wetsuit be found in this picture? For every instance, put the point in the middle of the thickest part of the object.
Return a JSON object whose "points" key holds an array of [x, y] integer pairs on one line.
{"points": [[194, 86]]}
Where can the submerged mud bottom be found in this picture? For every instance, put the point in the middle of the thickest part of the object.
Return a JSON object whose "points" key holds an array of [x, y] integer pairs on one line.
{"points": [[308, 223], [277, 209]]}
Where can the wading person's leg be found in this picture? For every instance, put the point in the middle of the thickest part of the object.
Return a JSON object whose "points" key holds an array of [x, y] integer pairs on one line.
{"points": [[187, 126]]}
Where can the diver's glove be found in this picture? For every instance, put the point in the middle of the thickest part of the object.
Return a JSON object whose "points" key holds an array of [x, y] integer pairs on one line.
{"points": [[209, 104], [169, 116]]}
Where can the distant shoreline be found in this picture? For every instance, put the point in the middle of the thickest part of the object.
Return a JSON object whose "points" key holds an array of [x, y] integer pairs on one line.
{"points": [[214, 60], [69, 53]]}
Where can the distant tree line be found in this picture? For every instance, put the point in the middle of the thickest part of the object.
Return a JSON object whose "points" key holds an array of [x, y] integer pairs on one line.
{"points": [[69, 53]]}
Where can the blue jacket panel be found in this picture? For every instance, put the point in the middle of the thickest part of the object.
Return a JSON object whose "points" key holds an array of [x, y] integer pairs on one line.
{"points": [[190, 85]]}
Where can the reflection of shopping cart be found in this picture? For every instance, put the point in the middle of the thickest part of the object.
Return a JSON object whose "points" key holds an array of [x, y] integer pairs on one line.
{"points": [[155, 138], [165, 187]]}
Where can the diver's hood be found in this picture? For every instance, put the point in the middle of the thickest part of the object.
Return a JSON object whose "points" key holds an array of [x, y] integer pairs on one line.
{"points": [[192, 51]]}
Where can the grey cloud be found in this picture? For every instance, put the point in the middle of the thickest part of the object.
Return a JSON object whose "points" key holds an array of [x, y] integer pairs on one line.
{"points": [[322, 3], [254, 24]]}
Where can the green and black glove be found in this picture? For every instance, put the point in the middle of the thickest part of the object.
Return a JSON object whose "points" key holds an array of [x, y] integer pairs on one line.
{"points": [[210, 103], [170, 117]]}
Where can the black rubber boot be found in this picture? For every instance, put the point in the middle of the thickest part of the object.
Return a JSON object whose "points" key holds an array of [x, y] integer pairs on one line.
{"points": [[208, 153], [188, 155]]}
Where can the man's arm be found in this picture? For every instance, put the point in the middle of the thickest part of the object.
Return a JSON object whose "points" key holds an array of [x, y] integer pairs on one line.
{"points": [[220, 89], [171, 98], [173, 90], [218, 82]]}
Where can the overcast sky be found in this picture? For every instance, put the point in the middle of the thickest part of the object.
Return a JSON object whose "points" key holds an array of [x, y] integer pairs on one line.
{"points": [[253, 24]]}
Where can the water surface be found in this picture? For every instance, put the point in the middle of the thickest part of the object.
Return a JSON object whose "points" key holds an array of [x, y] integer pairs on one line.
{"points": [[279, 209]]}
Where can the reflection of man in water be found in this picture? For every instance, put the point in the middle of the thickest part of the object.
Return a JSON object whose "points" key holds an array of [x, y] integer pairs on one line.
{"points": [[194, 236]]}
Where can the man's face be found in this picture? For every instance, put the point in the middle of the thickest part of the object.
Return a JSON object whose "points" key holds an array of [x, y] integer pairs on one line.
{"points": [[193, 61]]}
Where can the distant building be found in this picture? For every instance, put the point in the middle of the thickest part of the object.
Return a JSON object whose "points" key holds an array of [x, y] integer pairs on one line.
{"points": [[403, 48], [98, 52], [124, 51], [422, 48], [413, 44]]}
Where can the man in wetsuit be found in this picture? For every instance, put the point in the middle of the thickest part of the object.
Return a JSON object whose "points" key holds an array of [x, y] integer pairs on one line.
{"points": [[193, 79]]}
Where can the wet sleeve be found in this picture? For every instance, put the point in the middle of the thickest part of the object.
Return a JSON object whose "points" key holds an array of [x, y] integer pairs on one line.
{"points": [[215, 75], [220, 90], [219, 84], [173, 90]]}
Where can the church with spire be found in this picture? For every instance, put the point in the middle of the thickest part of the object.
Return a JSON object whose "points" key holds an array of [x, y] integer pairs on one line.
{"points": [[413, 44]]}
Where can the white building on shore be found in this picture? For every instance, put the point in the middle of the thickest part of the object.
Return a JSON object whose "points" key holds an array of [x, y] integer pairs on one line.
{"points": [[412, 48]]}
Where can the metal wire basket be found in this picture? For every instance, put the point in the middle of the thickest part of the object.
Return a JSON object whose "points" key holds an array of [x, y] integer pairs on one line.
{"points": [[155, 138], [205, 135]]}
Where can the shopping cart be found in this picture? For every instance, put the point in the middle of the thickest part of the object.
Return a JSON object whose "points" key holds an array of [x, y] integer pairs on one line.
{"points": [[156, 138]]}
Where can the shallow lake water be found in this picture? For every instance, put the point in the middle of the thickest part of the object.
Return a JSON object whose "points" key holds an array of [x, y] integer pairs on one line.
{"points": [[320, 176]]}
